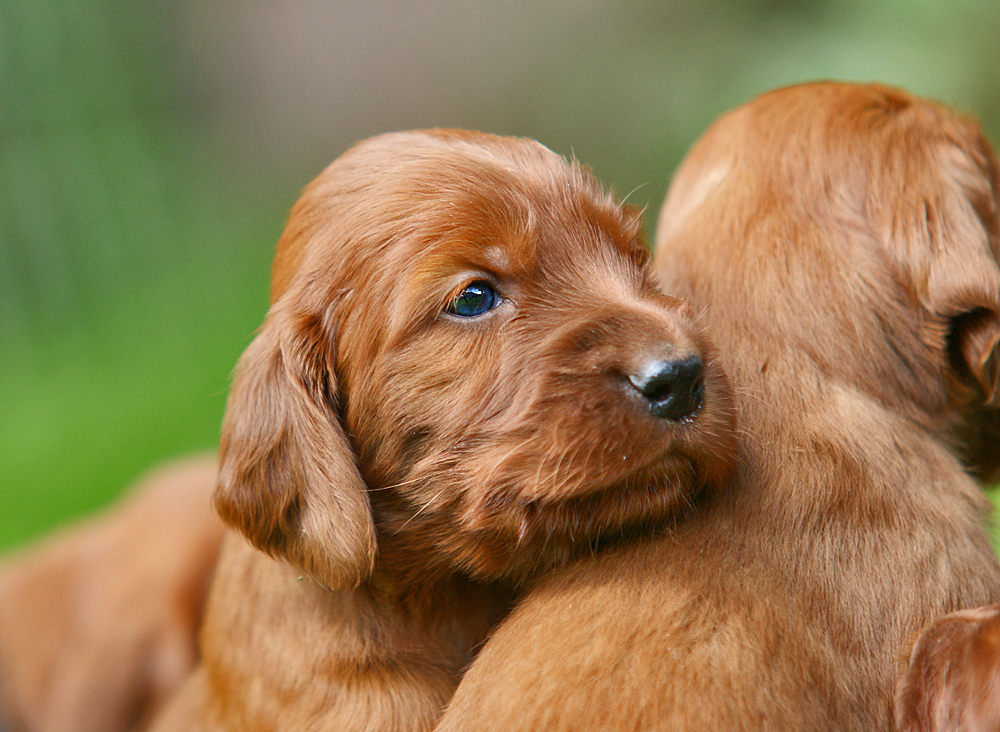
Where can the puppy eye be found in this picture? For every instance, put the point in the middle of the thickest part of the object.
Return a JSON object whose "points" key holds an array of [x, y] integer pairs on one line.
{"points": [[475, 300]]}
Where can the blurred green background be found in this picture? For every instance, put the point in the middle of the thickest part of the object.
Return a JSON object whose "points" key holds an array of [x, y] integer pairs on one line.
{"points": [[149, 151]]}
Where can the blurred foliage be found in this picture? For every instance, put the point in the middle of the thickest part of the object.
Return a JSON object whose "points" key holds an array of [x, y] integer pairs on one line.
{"points": [[125, 296], [140, 198]]}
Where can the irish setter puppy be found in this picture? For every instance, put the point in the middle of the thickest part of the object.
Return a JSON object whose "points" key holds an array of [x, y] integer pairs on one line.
{"points": [[842, 243], [98, 623], [467, 376]]}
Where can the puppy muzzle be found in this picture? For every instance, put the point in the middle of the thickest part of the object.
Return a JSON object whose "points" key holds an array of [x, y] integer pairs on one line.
{"points": [[674, 389]]}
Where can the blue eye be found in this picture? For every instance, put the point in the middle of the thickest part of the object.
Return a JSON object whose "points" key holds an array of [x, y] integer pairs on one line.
{"points": [[475, 300]]}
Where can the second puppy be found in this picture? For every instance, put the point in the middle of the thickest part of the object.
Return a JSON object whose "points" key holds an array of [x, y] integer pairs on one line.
{"points": [[844, 242], [467, 376]]}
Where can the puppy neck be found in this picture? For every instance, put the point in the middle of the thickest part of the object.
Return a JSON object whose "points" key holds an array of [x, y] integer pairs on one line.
{"points": [[338, 638]]}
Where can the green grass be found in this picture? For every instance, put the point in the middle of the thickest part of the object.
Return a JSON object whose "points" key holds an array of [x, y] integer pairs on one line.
{"points": [[93, 401]]}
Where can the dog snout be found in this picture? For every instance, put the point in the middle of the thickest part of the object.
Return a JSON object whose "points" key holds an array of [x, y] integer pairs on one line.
{"points": [[673, 388]]}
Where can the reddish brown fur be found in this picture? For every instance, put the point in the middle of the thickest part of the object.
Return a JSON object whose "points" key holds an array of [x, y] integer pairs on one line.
{"points": [[399, 471], [843, 243], [953, 680], [98, 624]]}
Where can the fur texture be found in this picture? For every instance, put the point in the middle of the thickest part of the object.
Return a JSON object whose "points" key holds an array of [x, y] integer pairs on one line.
{"points": [[842, 241], [396, 468], [98, 623]]}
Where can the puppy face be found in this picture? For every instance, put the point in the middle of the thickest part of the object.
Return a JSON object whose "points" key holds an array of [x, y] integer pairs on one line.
{"points": [[895, 199], [468, 364]]}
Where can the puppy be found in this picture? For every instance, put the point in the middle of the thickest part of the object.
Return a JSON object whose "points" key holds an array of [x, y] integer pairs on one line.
{"points": [[98, 624], [467, 376], [842, 241], [952, 683]]}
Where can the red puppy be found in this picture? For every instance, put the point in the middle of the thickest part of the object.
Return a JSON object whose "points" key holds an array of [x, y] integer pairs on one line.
{"points": [[467, 376], [98, 624], [842, 241]]}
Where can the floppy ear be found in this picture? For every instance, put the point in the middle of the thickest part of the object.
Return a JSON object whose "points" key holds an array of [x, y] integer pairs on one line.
{"points": [[288, 480]]}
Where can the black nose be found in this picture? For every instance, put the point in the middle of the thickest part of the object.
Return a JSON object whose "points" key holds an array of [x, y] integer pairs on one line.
{"points": [[673, 389]]}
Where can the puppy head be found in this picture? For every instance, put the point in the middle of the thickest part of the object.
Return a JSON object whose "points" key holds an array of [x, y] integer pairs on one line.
{"points": [[894, 201], [467, 364]]}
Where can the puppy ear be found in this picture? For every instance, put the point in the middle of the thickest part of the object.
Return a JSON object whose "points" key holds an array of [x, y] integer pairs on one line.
{"points": [[975, 359], [288, 479], [963, 285], [964, 274], [975, 337]]}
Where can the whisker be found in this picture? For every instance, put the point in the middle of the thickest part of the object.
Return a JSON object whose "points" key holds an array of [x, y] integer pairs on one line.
{"points": [[637, 188], [545, 459], [562, 487], [751, 395], [500, 462], [555, 474], [422, 509], [395, 485]]}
